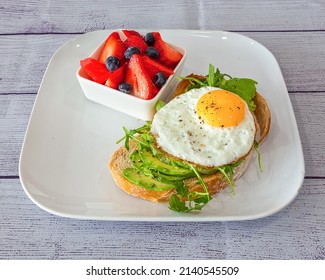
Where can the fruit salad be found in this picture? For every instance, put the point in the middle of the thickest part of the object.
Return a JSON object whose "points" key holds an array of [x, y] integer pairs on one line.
{"points": [[138, 64]]}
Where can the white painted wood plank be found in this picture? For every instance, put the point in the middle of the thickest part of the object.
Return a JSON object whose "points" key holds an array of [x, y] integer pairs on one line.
{"points": [[296, 232], [309, 110], [25, 58], [301, 57], [14, 115], [84, 16], [308, 107]]}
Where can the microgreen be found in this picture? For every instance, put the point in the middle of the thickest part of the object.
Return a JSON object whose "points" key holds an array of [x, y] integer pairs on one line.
{"points": [[228, 173], [244, 88], [141, 136], [185, 201], [225, 171], [256, 147]]}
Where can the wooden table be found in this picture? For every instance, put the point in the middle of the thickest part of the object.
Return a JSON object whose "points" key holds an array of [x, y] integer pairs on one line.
{"points": [[31, 31]]}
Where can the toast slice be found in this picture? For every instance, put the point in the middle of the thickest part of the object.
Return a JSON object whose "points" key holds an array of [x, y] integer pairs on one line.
{"points": [[214, 182]]}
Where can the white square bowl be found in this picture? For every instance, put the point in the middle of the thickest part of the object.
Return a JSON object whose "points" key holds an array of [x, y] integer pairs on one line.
{"points": [[126, 103]]}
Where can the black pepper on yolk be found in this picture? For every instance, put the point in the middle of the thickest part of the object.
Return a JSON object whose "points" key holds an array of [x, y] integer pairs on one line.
{"points": [[221, 108]]}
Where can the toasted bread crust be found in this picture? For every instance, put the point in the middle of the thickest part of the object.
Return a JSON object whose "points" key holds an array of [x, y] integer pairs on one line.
{"points": [[215, 182], [263, 116], [119, 161]]}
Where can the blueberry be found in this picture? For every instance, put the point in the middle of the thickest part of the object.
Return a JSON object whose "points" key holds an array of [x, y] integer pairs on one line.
{"points": [[112, 63], [152, 52], [125, 87], [149, 38], [130, 51], [159, 79]]}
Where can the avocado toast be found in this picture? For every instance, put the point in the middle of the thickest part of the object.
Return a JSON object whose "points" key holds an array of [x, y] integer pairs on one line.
{"points": [[142, 169]]}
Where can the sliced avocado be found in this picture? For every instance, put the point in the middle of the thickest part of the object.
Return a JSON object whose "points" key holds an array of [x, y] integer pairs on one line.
{"points": [[154, 163], [206, 170], [170, 178], [148, 171], [185, 165], [136, 160], [169, 169], [138, 178]]}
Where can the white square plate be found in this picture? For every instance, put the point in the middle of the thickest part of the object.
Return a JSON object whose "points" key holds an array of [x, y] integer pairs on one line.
{"points": [[69, 140]]}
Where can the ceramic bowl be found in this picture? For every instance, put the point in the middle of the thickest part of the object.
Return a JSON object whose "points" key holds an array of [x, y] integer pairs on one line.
{"points": [[126, 103]]}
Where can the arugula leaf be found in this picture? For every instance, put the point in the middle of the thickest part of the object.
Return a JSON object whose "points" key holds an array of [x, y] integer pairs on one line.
{"points": [[141, 136], [195, 82], [177, 205], [185, 201], [228, 173], [228, 178], [243, 87]]}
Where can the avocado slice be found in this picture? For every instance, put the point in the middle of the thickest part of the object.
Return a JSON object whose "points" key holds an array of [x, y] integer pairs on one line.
{"points": [[152, 162], [136, 160], [184, 165], [148, 171], [138, 178]]}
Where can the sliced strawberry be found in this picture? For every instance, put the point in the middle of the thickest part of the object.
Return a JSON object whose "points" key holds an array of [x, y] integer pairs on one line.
{"points": [[167, 54], [95, 70], [144, 88], [129, 33], [157, 35], [116, 77], [130, 78], [136, 41], [113, 46], [153, 67]]}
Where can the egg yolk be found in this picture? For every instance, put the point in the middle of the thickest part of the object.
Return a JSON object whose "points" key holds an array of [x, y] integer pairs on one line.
{"points": [[221, 108]]}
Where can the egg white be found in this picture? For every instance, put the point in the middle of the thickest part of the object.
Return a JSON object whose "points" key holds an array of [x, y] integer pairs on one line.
{"points": [[179, 131]]}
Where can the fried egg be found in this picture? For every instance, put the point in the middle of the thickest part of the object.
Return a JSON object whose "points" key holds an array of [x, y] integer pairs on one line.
{"points": [[207, 126]]}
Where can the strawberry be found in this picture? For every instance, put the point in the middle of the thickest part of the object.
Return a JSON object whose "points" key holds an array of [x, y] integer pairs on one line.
{"points": [[116, 77], [157, 35], [143, 85], [96, 70], [168, 55], [153, 67], [130, 78], [129, 33], [113, 46], [136, 41]]}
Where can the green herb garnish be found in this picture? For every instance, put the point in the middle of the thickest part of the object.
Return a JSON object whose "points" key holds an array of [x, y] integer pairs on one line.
{"points": [[228, 173], [144, 139], [244, 88], [185, 201]]}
